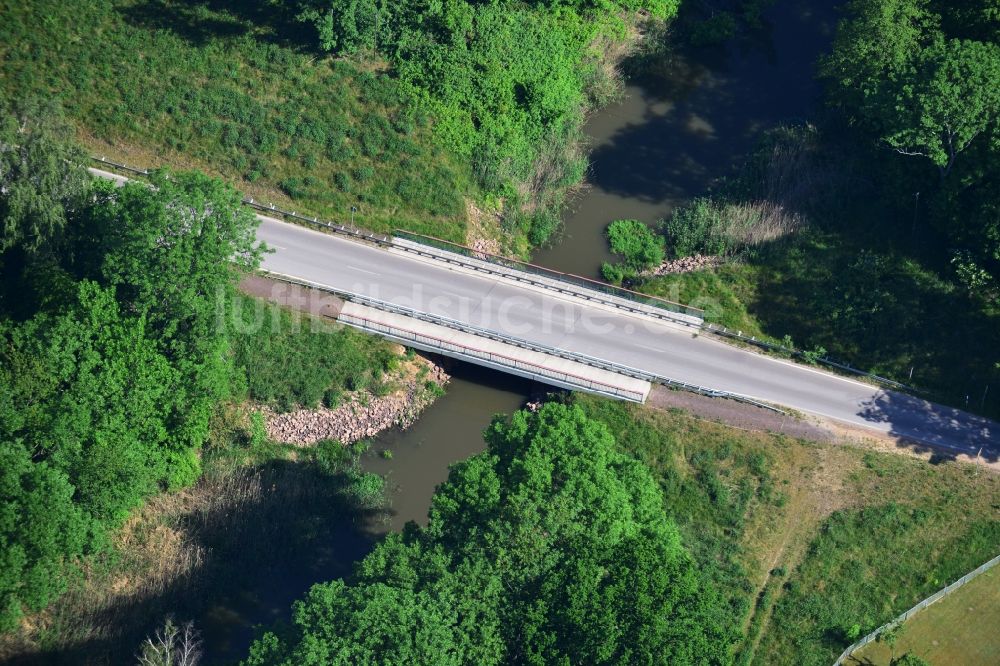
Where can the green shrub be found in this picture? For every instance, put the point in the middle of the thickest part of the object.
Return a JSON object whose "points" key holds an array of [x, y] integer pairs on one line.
{"points": [[364, 173], [698, 228], [544, 223], [636, 243], [342, 181], [615, 273]]}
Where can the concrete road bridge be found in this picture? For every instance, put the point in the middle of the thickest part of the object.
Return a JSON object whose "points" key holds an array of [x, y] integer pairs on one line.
{"points": [[573, 333]]}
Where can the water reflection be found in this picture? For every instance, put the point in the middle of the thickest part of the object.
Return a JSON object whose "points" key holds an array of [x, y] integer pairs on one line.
{"points": [[689, 123], [451, 430]]}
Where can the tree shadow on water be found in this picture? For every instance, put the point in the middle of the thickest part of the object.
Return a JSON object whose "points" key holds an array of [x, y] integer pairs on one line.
{"points": [[259, 538], [705, 107]]}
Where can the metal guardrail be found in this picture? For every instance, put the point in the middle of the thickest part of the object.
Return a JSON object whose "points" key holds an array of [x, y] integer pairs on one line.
{"points": [[533, 369], [355, 233], [124, 167], [541, 271], [895, 622], [769, 346], [525, 344]]}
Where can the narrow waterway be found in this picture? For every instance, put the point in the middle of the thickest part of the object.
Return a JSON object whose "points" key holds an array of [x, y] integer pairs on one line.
{"points": [[448, 431], [677, 131], [667, 140]]}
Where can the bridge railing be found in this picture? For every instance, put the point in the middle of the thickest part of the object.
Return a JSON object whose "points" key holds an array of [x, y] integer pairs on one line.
{"points": [[558, 276], [534, 369], [603, 364]]}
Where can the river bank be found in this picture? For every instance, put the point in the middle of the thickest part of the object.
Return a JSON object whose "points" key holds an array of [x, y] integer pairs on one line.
{"points": [[363, 414]]}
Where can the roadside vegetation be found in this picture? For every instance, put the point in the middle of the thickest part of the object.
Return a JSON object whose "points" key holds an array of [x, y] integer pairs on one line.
{"points": [[870, 234], [109, 372], [417, 109], [812, 545], [870, 563], [240, 93], [210, 553]]}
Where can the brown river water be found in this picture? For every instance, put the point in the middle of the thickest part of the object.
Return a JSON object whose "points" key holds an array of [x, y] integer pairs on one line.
{"points": [[666, 141]]}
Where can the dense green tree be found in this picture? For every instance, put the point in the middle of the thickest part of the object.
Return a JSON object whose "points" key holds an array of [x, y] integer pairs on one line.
{"points": [[95, 395], [173, 254], [872, 48], [39, 527], [551, 547], [106, 388], [951, 98], [82, 437], [919, 77], [42, 175]]}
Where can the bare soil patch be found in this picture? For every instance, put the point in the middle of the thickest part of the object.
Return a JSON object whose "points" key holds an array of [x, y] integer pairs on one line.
{"points": [[304, 299], [737, 414]]}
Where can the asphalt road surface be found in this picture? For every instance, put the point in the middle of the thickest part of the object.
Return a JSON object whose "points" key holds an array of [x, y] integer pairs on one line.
{"points": [[676, 352], [672, 351]]}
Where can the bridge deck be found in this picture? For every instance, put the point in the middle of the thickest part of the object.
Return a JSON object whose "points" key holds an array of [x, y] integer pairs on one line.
{"points": [[554, 321], [546, 368]]}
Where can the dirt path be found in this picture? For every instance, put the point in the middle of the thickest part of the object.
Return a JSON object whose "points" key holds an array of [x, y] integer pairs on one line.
{"points": [[304, 299]]}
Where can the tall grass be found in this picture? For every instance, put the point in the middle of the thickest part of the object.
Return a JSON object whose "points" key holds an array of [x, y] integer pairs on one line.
{"points": [[230, 88], [865, 567], [287, 359], [786, 178]]}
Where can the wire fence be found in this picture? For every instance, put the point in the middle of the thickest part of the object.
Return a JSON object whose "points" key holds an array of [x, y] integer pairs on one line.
{"points": [[937, 596]]}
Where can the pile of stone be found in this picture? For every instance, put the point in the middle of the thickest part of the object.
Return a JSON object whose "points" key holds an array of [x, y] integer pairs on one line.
{"points": [[695, 262], [359, 416], [485, 246]]}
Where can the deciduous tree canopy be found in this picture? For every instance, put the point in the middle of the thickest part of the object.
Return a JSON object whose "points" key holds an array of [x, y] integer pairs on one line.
{"points": [[109, 373], [550, 547], [921, 78], [41, 175]]}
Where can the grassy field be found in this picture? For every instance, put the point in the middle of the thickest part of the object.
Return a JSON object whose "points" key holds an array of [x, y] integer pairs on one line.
{"points": [[806, 539], [234, 90], [950, 631]]}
